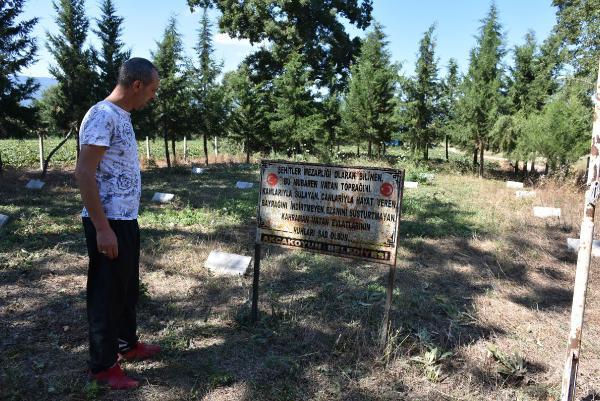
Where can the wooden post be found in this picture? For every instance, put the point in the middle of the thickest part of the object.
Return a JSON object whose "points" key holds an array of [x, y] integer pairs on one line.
{"points": [[147, 149], [185, 150], [255, 283], [216, 149], [569, 380], [386, 324], [41, 143]]}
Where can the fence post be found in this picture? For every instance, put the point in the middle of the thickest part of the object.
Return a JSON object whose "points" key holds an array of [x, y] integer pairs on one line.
{"points": [[147, 149], [41, 146]]}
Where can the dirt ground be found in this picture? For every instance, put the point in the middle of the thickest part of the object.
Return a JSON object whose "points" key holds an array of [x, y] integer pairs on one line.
{"points": [[481, 304]]}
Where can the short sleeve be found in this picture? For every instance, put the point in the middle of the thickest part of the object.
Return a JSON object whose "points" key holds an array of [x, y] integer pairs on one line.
{"points": [[97, 127]]}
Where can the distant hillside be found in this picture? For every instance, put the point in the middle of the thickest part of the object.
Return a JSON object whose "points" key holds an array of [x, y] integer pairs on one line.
{"points": [[44, 82]]}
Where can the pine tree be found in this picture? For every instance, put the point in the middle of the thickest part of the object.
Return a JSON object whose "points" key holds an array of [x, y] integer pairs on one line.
{"points": [[296, 116], [450, 92], [172, 98], [73, 68], [17, 51], [481, 104], [422, 97], [248, 105], [207, 94], [112, 54], [370, 111]]}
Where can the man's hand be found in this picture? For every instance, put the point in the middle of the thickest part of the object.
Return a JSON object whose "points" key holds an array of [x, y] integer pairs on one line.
{"points": [[106, 241]]}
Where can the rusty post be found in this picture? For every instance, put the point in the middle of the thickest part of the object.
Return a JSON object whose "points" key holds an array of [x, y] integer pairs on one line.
{"points": [[386, 324], [583, 259]]}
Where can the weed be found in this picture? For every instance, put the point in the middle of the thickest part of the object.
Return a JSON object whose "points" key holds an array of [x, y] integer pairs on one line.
{"points": [[93, 390], [431, 362], [511, 367]]}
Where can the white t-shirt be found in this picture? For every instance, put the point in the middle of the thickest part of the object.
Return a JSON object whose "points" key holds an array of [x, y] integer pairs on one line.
{"points": [[118, 174]]}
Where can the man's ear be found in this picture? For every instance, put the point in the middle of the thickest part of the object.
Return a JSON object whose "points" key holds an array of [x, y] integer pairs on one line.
{"points": [[137, 85]]}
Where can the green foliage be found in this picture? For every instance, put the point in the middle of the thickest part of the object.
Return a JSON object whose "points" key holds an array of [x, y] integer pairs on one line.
{"points": [[169, 111], [578, 25], [314, 28], [17, 51], [73, 64], [296, 120], [112, 53], [431, 362], [512, 367], [370, 111], [422, 107]]}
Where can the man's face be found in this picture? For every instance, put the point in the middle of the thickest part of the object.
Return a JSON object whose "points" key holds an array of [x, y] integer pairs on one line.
{"points": [[145, 93]]}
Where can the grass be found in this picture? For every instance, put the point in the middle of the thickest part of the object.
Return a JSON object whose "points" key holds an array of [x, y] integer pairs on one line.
{"points": [[476, 272]]}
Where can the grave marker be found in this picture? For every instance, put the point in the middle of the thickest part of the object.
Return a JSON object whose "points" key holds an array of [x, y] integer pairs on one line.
{"points": [[162, 197], [3, 219], [411, 184], [514, 184], [573, 245], [34, 184], [543, 212], [197, 170], [227, 263], [525, 194], [244, 185]]}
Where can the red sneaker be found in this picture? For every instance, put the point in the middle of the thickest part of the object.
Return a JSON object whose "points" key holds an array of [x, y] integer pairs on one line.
{"points": [[140, 351], [115, 378]]}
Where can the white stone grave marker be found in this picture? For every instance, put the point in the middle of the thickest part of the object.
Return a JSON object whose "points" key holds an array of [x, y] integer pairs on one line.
{"points": [[197, 170], [525, 194], [162, 197], [539, 211], [573, 244], [3, 219], [411, 184], [514, 184], [227, 263], [34, 184], [243, 185], [428, 176]]}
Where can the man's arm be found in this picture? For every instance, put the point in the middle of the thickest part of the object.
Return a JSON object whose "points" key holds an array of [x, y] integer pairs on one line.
{"points": [[85, 172]]}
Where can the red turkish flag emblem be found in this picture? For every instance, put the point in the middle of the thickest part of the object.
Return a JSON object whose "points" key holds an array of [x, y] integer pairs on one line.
{"points": [[272, 179], [386, 189]]}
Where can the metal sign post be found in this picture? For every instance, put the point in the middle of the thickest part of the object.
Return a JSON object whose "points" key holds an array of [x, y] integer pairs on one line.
{"points": [[342, 211], [583, 259]]}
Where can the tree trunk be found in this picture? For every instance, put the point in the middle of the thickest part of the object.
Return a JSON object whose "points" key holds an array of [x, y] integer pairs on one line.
{"points": [[205, 149], [370, 149], [446, 137], [546, 169], [426, 152], [358, 150], [475, 157], [247, 146], [384, 149], [481, 160], [516, 166], [532, 168], [53, 151], [165, 136], [77, 144], [1, 166], [173, 149]]}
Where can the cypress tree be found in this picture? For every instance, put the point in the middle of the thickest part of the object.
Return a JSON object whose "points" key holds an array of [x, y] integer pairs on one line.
{"points": [[17, 51]]}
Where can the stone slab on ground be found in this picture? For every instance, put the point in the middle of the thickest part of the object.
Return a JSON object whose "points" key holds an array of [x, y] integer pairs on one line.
{"points": [[162, 197], [35, 184], [244, 185], [573, 245], [411, 184], [525, 194], [514, 184], [539, 211], [197, 170], [3, 219], [229, 264]]}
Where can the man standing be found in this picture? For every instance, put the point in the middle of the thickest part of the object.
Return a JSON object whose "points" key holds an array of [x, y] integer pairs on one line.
{"points": [[108, 174]]}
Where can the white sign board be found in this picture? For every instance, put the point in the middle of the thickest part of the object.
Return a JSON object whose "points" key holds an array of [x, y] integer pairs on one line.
{"points": [[34, 184], [539, 211], [525, 194], [243, 185], [573, 244], [227, 263], [343, 211], [514, 184], [162, 198]]}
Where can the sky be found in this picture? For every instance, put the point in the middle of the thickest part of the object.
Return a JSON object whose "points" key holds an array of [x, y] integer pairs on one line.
{"points": [[404, 21]]}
